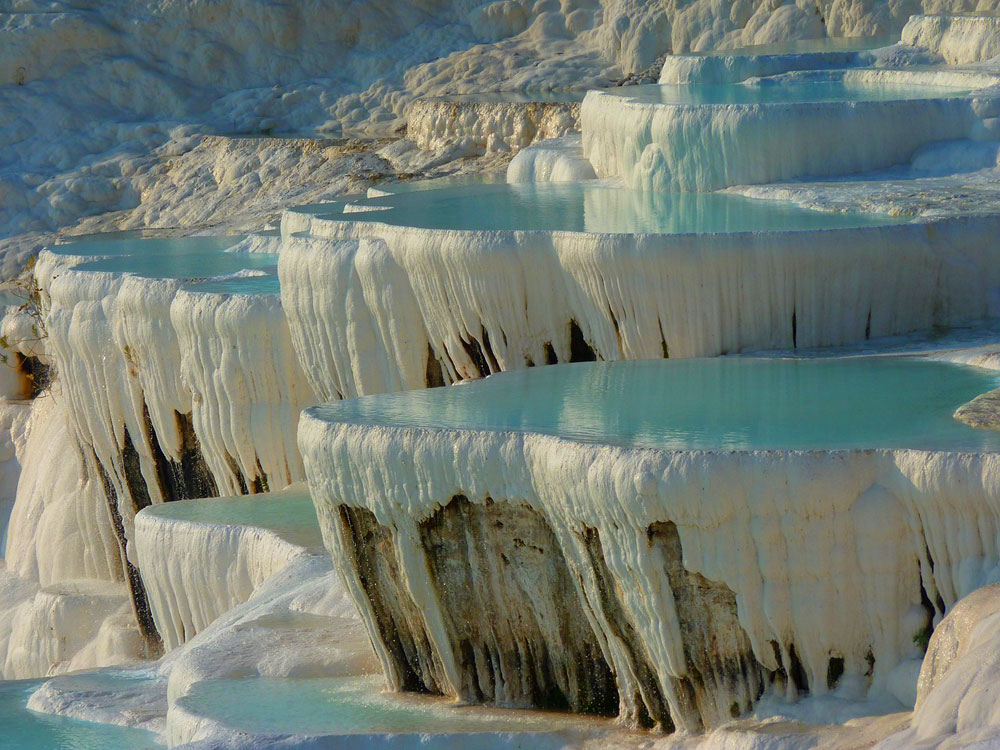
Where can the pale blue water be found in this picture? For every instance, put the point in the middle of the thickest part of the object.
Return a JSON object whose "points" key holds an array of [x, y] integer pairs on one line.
{"points": [[133, 243], [514, 97], [474, 179], [198, 259], [598, 207], [326, 207], [807, 46], [710, 404], [778, 91], [183, 265], [354, 705], [21, 729], [290, 514], [266, 284], [464, 180]]}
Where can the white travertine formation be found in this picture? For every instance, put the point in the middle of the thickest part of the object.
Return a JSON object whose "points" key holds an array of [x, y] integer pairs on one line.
{"points": [[163, 392], [221, 565], [786, 532], [353, 316], [14, 417], [65, 604], [162, 398], [152, 354], [363, 315], [59, 528], [248, 389], [70, 626], [702, 147], [722, 68], [956, 702]]}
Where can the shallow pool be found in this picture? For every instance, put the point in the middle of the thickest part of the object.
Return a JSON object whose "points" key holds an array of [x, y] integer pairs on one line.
{"points": [[435, 183], [513, 97], [21, 729], [135, 243], [204, 265], [357, 705], [203, 261], [782, 91], [708, 404], [263, 283], [597, 207], [291, 514]]}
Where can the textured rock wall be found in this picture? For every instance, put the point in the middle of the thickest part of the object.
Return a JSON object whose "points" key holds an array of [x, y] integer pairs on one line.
{"points": [[959, 40], [481, 127]]}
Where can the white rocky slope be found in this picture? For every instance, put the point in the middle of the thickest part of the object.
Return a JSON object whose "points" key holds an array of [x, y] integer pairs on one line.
{"points": [[99, 100]]}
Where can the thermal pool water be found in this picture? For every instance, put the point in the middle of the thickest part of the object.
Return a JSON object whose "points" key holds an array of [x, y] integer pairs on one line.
{"points": [[359, 705], [23, 729], [707, 404], [594, 207]]}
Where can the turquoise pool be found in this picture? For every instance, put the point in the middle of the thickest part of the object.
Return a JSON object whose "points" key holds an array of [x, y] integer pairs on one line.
{"points": [[782, 91], [128, 243], [357, 705], [596, 207], [203, 261], [291, 514], [21, 729], [266, 283], [188, 265], [435, 183], [707, 404]]}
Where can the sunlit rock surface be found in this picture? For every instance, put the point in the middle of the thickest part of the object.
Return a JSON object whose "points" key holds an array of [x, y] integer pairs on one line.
{"points": [[982, 412], [491, 123], [958, 39], [956, 698]]}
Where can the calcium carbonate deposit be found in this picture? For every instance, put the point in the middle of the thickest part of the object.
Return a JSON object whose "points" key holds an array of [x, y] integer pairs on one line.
{"points": [[487, 374]]}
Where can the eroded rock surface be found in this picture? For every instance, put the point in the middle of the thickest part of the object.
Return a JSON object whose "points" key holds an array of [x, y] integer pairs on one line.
{"points": [[983, 412]]}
